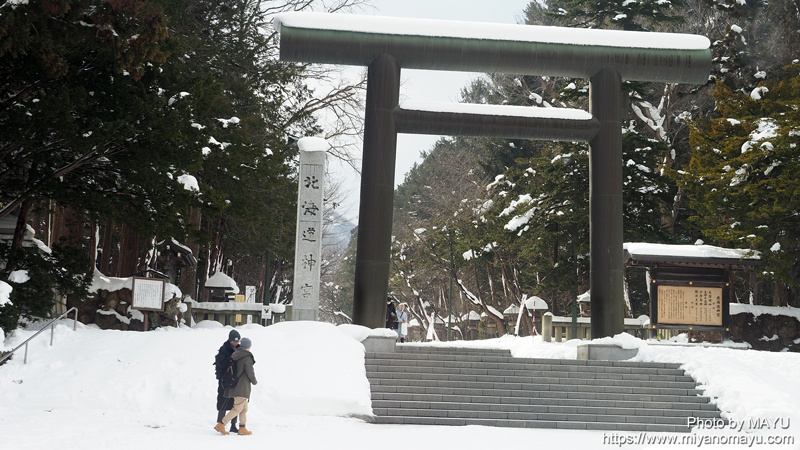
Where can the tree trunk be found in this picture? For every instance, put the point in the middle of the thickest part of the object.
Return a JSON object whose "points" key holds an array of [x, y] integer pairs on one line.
{"points": [[47, 232], [262, 274], [19, 233], [105, 257], [491, 273], [68, 227], [754, 287], [781, 294], [36, 220], [22, 225], [147, 256], [128, 251], [188, 283], [93, 248]]}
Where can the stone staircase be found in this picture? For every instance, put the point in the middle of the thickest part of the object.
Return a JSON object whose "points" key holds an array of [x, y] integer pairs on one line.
{"points": [[460, 386]]}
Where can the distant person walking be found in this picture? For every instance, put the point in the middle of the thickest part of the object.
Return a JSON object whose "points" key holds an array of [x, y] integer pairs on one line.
{"points": [[391, 314], [240, 394], [222, 361], [402, 322]]}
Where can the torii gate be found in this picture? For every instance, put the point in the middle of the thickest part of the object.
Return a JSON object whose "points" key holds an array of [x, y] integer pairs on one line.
{"points": [[605, 57]]}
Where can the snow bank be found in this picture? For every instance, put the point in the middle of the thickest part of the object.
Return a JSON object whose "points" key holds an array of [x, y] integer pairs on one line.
{"points": [[757, 310], [360, 333], [137, 389], [165, 377]]}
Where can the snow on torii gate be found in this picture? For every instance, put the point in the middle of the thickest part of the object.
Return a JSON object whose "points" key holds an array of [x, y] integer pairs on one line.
{"points": [[605, 57]]}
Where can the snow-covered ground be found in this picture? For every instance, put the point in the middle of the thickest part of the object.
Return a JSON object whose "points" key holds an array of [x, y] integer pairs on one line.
{"points": [[98, 389]]}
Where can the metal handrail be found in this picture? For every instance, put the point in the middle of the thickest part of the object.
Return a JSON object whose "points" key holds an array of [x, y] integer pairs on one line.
{"points": [[52, 326]]}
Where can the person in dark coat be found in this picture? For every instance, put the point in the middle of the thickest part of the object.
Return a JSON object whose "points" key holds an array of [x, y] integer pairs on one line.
{"points": [[246, 376], [391, 314], [222, 361]]}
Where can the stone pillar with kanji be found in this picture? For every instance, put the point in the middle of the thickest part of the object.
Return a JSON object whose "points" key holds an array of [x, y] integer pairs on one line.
{"points": [[308, 241]]}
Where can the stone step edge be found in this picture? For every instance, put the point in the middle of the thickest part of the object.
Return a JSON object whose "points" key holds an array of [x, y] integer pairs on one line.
{"points": [[513, 415], [480, 371], [517, 386], [504, 407], [533, 382], [574, 396], [415, 348], [504, 365], [618, 404], [554, 361], [594, 426]]}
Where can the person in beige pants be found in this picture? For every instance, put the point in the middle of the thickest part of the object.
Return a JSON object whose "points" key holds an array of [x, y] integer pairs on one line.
{"points": [[241, 392]]}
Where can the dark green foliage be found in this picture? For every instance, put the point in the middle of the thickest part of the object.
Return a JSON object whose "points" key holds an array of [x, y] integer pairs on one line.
{"points": [[743, 175], [104, 106], [637, 15], [62, 271]]}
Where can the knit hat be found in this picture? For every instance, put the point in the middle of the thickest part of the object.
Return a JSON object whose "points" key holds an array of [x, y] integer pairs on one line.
{"points": [[245, 343], [234, 335]]}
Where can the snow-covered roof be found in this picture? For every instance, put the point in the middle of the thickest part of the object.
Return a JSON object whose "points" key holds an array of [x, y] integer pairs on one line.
{"points": [[688, 251], [471, 316], [498, 110], [173, 242], [112, 284], [513, 309], [489, 31], [221, 281], [643, 253], [535, 303]]}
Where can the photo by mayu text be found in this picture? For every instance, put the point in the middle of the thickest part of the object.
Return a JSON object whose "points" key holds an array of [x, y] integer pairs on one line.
{"points": [[748, 423]]}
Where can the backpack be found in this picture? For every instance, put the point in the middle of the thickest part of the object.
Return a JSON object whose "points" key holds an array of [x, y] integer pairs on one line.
{"points": [[229, 378]]}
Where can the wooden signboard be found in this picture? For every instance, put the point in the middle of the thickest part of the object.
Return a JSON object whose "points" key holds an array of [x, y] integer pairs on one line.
{"points": [[690, 305], [148, 294], [239, 299]]}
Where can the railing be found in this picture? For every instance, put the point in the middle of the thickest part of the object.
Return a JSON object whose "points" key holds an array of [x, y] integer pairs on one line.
{"points": [[224, 312], [557, 326], [52, 326]]}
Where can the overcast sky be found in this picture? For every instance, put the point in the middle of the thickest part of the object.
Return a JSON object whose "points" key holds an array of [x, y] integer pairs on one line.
{"points": [[425, 85]]}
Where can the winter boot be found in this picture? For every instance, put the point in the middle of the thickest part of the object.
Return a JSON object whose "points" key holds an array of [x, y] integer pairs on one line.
{"points": [[221, 428], [233, 426], [243, 431]]}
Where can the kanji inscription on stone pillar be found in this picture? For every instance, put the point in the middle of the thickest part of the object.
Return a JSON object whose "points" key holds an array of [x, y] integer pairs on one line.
{"points": [[308, 241]]}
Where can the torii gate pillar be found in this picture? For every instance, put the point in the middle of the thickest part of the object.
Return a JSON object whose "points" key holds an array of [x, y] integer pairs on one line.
{"points": [[377, 193], [605, 205]]}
